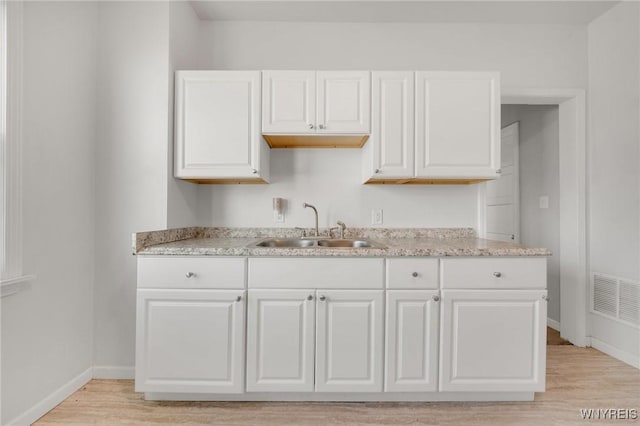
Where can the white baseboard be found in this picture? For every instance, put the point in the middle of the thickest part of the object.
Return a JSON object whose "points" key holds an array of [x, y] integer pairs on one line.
{"points": [[553, 324], [626, 357], [55, 398], [113, 372]]}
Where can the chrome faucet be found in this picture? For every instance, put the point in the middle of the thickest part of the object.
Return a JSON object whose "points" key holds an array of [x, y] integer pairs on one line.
{"points": [[342, 228], [305, 205]]}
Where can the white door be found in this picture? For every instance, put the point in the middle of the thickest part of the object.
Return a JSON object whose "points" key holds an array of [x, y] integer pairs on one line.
{"points": [[280, 340], [503, 194], [288, 102], [349, 341], [412, 341], [493, 340], [217, 124], [457, 125], [190, 341], [343, 101], [392, 125]]}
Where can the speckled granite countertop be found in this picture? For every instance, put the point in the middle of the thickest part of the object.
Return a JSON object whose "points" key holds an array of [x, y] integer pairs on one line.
{"points": [[398, 242]]}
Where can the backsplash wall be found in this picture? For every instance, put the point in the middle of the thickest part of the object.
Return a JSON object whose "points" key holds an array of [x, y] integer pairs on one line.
{"points": [[330, 179]]}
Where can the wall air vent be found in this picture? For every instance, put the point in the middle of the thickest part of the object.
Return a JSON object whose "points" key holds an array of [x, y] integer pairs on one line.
{"points": [[616, 298], [629, 302]]}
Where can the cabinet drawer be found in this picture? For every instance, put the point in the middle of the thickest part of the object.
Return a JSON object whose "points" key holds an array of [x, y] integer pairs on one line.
{"points": [[488, 273], [191, 272], [316, 273], [412, 273]]}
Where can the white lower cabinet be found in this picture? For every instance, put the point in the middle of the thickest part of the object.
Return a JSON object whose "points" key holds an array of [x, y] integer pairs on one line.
{"points": [[350, 341], [332, 329], [412, 328], [280, 340], [493, 340], [190, 341], [341, 330]]}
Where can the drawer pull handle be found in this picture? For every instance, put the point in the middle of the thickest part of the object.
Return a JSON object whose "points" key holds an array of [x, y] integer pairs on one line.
{"points": [[189, 275], [497, 274], [239, 298], [310, 297], [435, 298], [323, 298], [414, 275]]}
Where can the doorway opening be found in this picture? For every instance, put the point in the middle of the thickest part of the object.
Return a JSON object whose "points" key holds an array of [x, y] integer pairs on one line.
{"points": [[571, 204]]}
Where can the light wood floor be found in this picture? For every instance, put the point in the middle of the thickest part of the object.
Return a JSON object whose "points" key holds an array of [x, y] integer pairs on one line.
{"points": [[577, 378]]}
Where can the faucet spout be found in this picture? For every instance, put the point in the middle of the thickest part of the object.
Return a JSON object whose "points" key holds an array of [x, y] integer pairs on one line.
{"points": [[305, 205], [342, 228]]}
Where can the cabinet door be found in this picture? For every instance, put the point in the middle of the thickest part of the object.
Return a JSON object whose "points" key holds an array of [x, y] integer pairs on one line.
{"points": [[190, 341], [412, 341], [391, 143], [457, 124], [343, 101], [349, 349], [280, 340], [288, 101], [493, 340], [217, 125]]}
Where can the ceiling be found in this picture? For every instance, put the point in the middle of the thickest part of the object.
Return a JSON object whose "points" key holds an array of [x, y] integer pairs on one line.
{"points": [[476, 11]]}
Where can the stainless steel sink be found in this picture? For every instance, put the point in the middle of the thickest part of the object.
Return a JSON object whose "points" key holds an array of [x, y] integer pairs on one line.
{"points": [[286, 242], [316, 243], [346, 243]]}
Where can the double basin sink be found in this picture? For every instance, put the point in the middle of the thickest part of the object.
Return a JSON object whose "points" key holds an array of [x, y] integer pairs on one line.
{"points": [[316, 243]]}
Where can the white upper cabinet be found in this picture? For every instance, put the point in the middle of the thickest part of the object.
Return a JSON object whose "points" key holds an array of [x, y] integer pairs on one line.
{"points": [[457, 125], [343, 101], [288, 101], [430, 127], [389, 152], [217, 127], [310, 102]]}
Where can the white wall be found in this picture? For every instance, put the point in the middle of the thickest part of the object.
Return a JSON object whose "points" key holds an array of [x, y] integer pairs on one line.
{"points": [[184, 54], [531, 56], [614, 155], [131, 163], [528, 56], [331, 180], [47, 328], [540, 176]]}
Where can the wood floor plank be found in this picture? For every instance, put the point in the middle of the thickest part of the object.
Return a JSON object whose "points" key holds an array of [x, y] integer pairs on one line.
{"points": [[577, 378]]}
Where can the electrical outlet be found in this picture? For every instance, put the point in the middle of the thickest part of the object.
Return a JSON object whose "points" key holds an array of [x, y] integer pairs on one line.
{"points": [[376, 217], [278, 217]]}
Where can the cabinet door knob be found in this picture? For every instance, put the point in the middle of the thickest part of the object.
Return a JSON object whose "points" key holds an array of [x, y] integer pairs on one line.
{"points": [[254, 171], [239, 298], [497, 274], [322, 126], [310, 297], [545, 297], [310, 126], [189, 275], [435, 298], [377, 171], [323, 298], [414, 275]]}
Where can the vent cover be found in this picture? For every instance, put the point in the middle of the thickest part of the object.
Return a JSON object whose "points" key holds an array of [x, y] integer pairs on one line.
{"points": [[616, 298], [629, 302]]}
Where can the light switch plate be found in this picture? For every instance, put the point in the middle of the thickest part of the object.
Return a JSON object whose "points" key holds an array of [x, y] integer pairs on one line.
{"points": [[278, 217], [376, 217], [544, 202]]}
